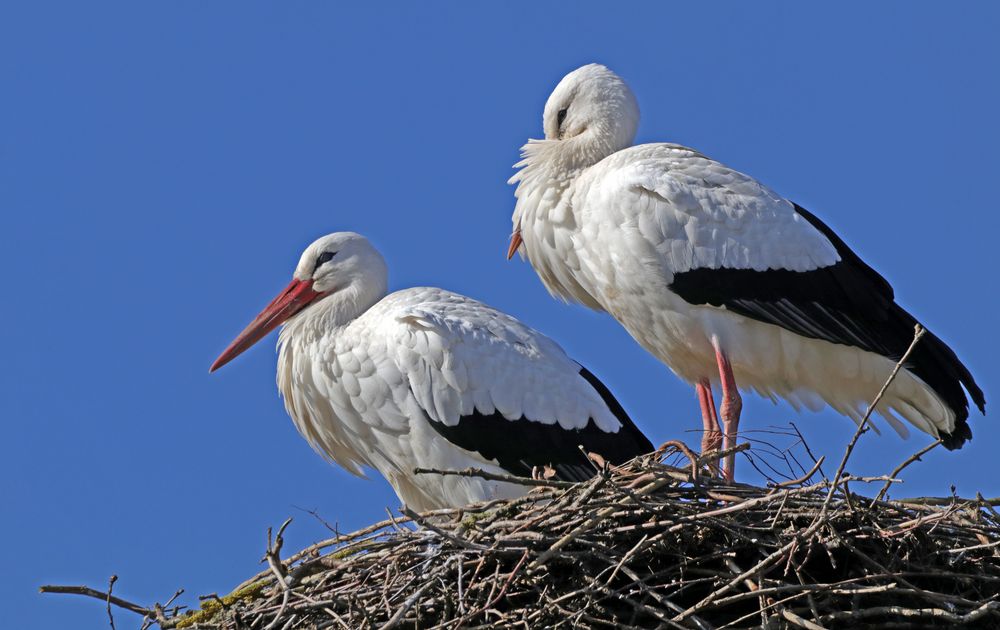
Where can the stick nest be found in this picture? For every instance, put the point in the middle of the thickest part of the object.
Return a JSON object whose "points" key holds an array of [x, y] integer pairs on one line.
{"points": [[642, 545]]}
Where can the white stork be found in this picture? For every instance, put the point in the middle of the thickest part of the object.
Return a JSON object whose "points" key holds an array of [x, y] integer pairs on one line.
{"points": [[718, 276], [426, 378]]}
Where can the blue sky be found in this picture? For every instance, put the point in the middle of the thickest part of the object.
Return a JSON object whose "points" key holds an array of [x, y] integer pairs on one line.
{"points": [[163, 164]]}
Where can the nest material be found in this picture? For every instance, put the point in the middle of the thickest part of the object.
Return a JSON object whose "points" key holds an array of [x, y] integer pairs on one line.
{"points": [[643, 545]]}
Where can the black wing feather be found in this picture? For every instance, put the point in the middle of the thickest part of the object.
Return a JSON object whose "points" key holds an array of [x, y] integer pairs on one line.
{"points": [[520, 445], [846, 303]]}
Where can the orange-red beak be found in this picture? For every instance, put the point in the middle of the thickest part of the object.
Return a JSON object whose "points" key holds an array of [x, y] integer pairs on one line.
{"points": [[515, 242], [296, 296]]}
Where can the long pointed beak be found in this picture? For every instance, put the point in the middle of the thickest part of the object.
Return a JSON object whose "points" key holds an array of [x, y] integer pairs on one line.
{"points": [[296, 296], [515, 242]]}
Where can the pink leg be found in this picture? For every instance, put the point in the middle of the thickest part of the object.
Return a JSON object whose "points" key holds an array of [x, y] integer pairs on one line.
{"points": [[711, 436], [732, 404]]}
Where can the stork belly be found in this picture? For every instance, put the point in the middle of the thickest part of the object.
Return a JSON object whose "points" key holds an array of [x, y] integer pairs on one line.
{"points": [[776, 363]]}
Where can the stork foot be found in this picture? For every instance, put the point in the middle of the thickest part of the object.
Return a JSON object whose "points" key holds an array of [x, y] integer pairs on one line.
{"points": [[732, 405], [711, 435]]}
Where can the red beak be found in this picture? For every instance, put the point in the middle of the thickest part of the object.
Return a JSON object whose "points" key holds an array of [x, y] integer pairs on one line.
{"points": [[515, 242], [296, 296]]}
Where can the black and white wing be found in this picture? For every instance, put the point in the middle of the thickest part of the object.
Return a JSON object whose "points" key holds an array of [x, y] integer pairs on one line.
{"points": [[491, 385]]}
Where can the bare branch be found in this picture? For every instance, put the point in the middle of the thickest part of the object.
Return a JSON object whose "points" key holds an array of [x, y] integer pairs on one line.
{"points": [[482, 474], [863, 425], [90, 592], [895, 473]]}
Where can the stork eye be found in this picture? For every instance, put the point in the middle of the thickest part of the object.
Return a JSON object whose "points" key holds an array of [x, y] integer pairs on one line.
{"points": [[325, 257], [561, 116]]}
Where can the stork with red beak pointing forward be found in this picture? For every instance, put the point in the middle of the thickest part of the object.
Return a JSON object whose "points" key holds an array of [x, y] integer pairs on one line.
{"points": [[426, 378]]}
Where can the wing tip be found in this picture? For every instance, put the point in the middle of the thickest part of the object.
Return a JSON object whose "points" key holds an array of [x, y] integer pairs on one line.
{"points": [[957, 438], [642, 442]]}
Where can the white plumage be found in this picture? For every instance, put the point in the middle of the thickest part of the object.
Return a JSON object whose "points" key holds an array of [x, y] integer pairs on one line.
{"points": [[715, 274], [420, 377]]}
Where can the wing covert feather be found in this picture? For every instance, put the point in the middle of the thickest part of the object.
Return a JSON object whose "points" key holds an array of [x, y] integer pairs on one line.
{"points": [[697, 213]]}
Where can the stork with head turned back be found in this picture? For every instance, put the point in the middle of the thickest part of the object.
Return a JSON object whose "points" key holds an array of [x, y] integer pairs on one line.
{"points": [[426, 378], [718, 276]]}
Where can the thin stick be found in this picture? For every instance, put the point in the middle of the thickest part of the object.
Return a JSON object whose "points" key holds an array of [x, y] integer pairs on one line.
{"points": [[804, 478], [482, 474], [799, 621], [111, 585], [460, 542], [273, 553], [717, 455], [90, 592], [918, 332], [946, 501], [273, 557], [805, 445], [681, 447], [895, 473]]}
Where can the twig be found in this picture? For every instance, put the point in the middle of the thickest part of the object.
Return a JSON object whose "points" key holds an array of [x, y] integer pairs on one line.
{"points": [[799, 621], [938, 614], [946, 501], [805, 445], [862, 426], [440, 532], [273, 553], [595, 459], [315, 514], [111, 585], [681, 447], [482, 474], [273, 557], [760, 566], [510, 578], [176, 594], [804, 478], [717, 455], [895, 473], [90, 592]]}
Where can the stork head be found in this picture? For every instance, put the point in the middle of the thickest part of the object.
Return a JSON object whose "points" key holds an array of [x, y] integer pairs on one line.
{"points": [[340, 261], [591, 114], [340, 270], [595, 101]]}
